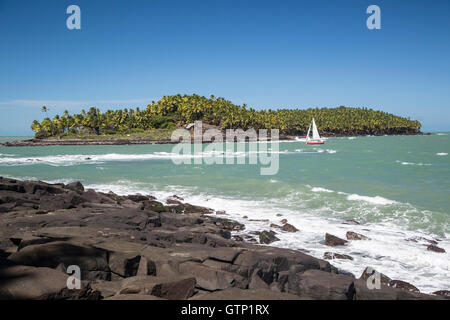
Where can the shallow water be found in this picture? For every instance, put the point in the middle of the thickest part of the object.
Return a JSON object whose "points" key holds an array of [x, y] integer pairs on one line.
{"points": [[396, 186]]}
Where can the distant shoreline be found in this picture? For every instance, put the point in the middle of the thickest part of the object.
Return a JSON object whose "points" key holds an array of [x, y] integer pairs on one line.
{"points": [[34, 142]]}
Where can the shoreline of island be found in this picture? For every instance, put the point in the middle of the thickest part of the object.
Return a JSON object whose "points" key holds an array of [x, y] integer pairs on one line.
{"points": [[35, 142]]}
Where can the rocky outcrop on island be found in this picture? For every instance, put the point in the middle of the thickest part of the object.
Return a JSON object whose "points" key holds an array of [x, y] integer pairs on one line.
{"points": [[138, 248]]}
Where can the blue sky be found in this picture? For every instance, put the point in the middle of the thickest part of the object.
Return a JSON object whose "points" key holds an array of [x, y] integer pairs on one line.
{"points": [[267, 54]]}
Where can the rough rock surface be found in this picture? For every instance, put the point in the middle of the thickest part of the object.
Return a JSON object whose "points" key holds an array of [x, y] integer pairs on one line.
{"points": [[333, 241], [136, 248]]}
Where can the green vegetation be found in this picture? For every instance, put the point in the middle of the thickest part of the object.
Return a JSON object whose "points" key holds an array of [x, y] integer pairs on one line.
{"points": [[175, 111]]}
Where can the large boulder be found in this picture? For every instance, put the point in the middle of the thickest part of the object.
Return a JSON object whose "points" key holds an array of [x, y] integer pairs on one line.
{"points": [[172, 288], [92, 261], [267, 237], [289, 228], [75, 186], [435, 248], [26, 282], [124, 264], [320, 285], [350, 235], [333, 241], [361, 291], [209, 278]]}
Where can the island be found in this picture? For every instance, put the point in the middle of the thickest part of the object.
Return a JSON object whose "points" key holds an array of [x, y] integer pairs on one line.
{"points": [[158, 120]]}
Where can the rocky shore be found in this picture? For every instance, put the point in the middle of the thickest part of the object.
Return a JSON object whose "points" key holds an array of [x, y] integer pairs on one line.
{"points": [[138, 248], [34, 142]]}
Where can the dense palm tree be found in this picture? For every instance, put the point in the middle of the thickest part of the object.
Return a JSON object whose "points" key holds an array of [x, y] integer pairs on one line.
{"points": [[172, 111]]}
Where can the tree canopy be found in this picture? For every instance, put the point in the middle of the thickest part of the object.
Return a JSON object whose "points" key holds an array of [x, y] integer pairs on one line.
{"points": [[175, 111]]}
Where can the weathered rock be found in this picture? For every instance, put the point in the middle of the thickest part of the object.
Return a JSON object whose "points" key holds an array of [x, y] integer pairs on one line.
{"points": [[363, 292], [174, 202], [256, 282], [26, 282], [289, 228], [106, 288], [332, 255], [351, 221], [92, 261], [174, 288], [227, 224], [320, 285], [123, 264], [267, 237], [435, 248], [355, 236], [208, 278], [132, 205], [370, 272], [399, 284], [75, 186], [188, 209], [137, 197], [422, 239], [443, 293], [239, 294], [333, 241]]}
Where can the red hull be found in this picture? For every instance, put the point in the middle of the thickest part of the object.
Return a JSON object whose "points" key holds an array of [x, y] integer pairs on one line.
{"points": [[315, 142]]}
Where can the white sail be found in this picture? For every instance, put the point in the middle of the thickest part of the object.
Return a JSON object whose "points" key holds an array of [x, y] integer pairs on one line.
{"points": [[307, 135], [316, 135]]}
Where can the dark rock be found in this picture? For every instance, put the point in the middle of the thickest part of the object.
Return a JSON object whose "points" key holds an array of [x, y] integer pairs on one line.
{"points": [[363, 292], [355, 236], [91, 196], [351, 221], [435, 248], [92, 261], [267, 237], [368, 272], [26, 282], [225, 233], [209, 278], [417, 239], [256, 282], [75, 186], [444, 293], [174, 202], [137, 198], [289, 228], [332, 255], [320, 285], [175, 288], [227, 224], [239, 294], [197, 209], [238, 238], [399, 284], [124, 265], [332, 241]]}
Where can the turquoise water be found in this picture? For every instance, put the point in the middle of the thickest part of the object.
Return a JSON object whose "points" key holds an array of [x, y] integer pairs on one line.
{"points": [[398, 187]]}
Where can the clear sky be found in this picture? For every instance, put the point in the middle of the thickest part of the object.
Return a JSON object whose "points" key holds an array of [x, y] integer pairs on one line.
{"points": [[267, 54]]}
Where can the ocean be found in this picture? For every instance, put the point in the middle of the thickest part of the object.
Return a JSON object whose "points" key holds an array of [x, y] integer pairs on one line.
{"points": [[397, 187]]}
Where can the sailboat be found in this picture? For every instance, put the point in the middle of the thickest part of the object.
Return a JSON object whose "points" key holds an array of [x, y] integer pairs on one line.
{"points": [[315, 134]]}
